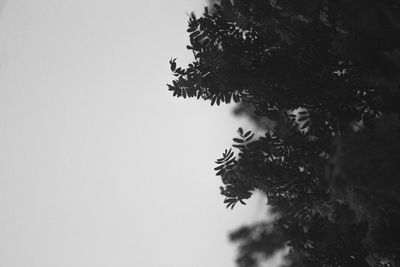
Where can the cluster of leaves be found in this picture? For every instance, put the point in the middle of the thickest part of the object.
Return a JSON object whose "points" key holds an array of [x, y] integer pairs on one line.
{"points": [[327, 73], [237, 186]]}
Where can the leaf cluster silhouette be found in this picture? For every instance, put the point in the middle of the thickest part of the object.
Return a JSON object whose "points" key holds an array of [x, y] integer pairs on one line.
{"points": [[326, 74]]}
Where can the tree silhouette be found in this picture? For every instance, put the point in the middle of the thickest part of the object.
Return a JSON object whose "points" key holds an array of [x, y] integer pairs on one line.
{"points": [[326, 74]]}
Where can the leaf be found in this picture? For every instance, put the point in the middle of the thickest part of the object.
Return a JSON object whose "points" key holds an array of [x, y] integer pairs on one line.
{"points": [[303, 118], [227, 199], [213, 100], [194, 34], [172, 64], [232, 203], [237, 140], [247, 134], [228, 99], [220, 172], [249, 138], [219, 161], [218, 7], [305, 125], [228, 158], [219, 167], [230, 162], [228, 153]]}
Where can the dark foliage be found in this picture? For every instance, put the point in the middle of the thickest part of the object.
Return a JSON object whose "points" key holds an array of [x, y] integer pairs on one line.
{"points": [[327, 73]]}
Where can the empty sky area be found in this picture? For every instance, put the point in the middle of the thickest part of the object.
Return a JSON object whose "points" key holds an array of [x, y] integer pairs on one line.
{"points": [[99, 164]]}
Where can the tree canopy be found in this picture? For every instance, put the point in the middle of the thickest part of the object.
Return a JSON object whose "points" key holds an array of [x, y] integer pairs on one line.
{"points": [[326, 75]]}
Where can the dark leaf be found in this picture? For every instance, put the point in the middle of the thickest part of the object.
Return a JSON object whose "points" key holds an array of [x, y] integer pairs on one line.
{"points": [[173, 64], [302, 118], [219, 167], [305, 125], [247, 134], [237, 140], [194, 34], [220, 172], [249, 138]]}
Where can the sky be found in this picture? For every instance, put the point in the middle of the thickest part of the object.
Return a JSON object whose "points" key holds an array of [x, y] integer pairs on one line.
{"points": [[99, 164]]}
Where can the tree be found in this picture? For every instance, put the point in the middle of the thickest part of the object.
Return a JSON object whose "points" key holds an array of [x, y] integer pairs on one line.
{"points": [[327, 73]]}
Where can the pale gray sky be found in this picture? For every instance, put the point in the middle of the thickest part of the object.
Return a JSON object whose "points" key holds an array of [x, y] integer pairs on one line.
{"points": [[99, 164]]}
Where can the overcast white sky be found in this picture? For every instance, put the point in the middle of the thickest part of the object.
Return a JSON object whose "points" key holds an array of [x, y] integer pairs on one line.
{"points": [[99, 164]]}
